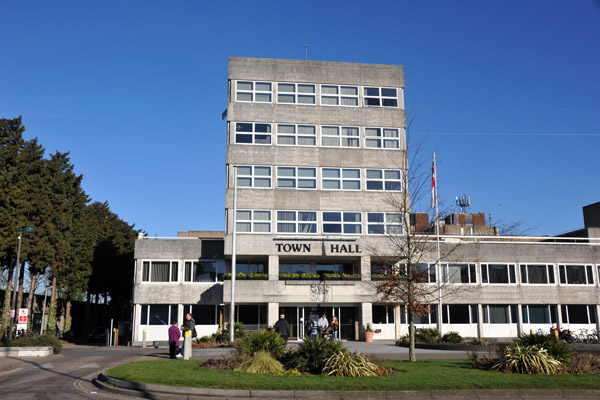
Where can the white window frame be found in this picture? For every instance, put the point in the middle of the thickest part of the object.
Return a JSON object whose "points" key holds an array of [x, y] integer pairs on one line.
{"points": [[431, 270], [486, 314], [297, 135], [553, 319], [147, 305], [342, 223], [192, 261], [253, 222], [297, 94], [380, 97], [339, 96], [170, 281], [383, 180], [253, 177], [487, 274], [380, 138], [588, 270], [473, 311], [525, 277], [340, 178], [296, 178], [471, 269], [297, 223], [254, 92], [253, 134], [387, 223], [341, 136], [590, 308]]}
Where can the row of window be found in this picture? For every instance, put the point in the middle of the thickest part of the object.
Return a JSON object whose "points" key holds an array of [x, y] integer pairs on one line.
{"points": [[306, 135], [164, 314], [546, 314], [306, 222], [261, 177], [306, 94], [530, 274]]}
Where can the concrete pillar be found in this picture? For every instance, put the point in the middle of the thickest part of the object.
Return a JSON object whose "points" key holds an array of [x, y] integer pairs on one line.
{"points": [[273, 268], [519, 319], [187, 348], [181, 314], [480, 320], [559, 316], [272, 313], [137, 317], [365, 268], [366, 316]]}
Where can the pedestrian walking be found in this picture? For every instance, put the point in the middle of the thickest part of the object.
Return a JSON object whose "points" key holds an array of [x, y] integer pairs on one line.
{"points": [[283, 327], [335, 327]]}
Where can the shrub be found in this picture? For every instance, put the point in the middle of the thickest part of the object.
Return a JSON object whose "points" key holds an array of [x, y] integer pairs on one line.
{"points": [[583, 364], [452, 337], [477, 362], [559, 350], [350, 364], [239, 332], [262, 363], [532, 339], [312, 354], [527, 360], [427, 335], [204, 339], [289, 372], [269, 341], [479, 342], [47, 339], [403, 339]]}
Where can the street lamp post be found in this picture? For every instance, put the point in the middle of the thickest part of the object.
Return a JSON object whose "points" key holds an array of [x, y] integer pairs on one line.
{"points": [[27, 229]]}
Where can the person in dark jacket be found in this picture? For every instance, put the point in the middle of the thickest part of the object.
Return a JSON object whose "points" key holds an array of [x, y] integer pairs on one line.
{"points": [[174, 335], [308, 325], [283, 327]]}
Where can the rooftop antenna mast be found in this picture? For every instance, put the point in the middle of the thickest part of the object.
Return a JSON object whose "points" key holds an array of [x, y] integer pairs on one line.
{"points": [[464, 203], [306, 51]]}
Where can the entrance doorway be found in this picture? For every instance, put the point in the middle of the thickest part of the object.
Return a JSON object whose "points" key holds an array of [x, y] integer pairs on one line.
{"points": [[347, 316]]}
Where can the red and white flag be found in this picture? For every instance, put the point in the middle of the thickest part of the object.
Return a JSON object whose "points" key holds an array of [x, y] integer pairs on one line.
{"points": [[433, 184]]}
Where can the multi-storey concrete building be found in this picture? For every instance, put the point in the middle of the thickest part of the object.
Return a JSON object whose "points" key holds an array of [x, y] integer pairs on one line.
{"points": [[314, 150]]}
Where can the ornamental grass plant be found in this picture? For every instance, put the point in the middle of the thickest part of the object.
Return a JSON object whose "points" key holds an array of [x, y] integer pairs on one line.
{"points": [[350, 364], [527, 360], [263, 340], [261, 363]]}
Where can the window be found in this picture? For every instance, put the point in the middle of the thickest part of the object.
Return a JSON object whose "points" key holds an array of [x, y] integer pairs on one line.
{"points": [[334, 95], [204, 271], [253, 221], [249, 267], [382, 138], [383, 314], [296, 178], [203, 314], [296, 222], [576, 274], [160, 271], [381, 97], [296, 135], [254, 176], [330, 136], [498, 273], [252, 133], [383, 179], [537, 274], [578, 314], [428, 319], [159, 314], [539, 314], [347, 223], [459, 273], [424, 272], [500, 314], [259, 92], [295, 93], [340, 179], [252, 314], [459, 314], [384, 223]]}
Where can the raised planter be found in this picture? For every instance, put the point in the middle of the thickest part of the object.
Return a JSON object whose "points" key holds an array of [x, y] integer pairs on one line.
{"points": [[30, 351], [450, 346]]}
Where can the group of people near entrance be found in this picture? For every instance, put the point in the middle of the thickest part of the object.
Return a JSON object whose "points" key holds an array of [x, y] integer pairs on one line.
{"points": [[175, 333], [322, 327]]}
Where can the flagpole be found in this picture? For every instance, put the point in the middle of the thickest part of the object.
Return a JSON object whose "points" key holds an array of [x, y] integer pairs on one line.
{"points": [[437, 242]]}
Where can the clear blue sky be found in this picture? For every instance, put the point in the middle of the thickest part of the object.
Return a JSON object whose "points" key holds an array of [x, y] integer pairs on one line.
{"points": [[507, 92]]}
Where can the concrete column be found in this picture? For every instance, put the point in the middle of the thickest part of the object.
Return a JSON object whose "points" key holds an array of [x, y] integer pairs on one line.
{"points": [[480, 320], [559, 316], [137, 316], [519, 319], [366, 316], [272, 313], [397, 320], [598, 315], [365, 268], [273, 268], [181, 315]]}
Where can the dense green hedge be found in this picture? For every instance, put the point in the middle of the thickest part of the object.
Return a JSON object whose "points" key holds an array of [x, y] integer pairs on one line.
{"points": [[46, 339]]}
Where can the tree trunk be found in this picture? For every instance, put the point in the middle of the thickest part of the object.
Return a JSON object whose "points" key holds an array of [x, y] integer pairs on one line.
{"points": [[5, 321], [68, 318], [19, 303], [411, 330], [51, 327], [30, 300]]}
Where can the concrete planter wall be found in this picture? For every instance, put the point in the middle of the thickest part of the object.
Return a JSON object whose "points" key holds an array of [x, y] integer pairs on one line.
{"points": [[33, 351]]}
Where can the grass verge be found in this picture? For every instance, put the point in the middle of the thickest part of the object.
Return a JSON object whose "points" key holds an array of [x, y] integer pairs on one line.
{"points": [[427, 374]]}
